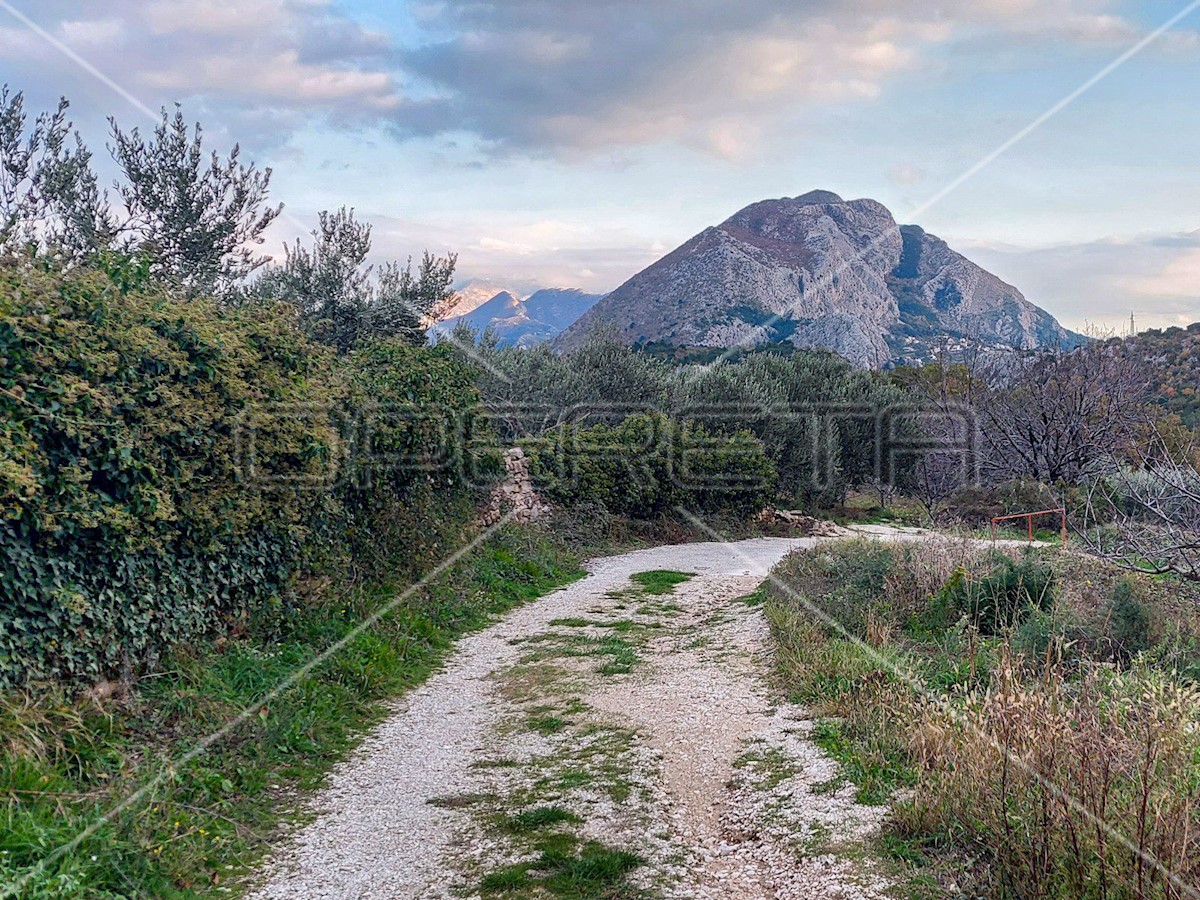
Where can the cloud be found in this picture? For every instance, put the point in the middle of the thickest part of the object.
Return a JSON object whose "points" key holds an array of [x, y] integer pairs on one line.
{"points": [[568, 79], [588, 77], [284, 62], [905, 174], [523, 255], [1178, 279], [582, 77], [1156, 277]]}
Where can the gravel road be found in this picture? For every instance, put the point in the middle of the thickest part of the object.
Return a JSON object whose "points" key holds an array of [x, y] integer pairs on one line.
{"points": [[653, 723]]}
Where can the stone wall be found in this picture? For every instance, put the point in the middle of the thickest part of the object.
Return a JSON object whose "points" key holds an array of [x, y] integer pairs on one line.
{"points": [[515, 493]]}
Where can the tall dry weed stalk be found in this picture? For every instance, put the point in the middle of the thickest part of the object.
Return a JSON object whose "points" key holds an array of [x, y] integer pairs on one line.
{"points": [[1079, 789]]}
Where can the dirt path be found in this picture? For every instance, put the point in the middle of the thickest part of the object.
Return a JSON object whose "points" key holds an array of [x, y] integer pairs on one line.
{"points": [[617, 733]]}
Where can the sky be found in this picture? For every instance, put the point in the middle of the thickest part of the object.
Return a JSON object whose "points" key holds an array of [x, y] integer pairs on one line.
{"points": [[570, 143]]}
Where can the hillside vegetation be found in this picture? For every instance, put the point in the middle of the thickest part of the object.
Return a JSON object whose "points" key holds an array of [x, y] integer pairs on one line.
{"points": [[1172, 358], [1037, 707]]}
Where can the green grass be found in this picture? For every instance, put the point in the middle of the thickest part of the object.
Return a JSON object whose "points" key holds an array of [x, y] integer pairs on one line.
{"points": [[65, 762], [875, 768], [594, 871], [547, 724], [539, 817], [757, 598], [660, 581], [622, 656]]}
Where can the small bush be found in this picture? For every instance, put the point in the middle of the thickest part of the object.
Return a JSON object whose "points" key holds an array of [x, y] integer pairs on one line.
{"points": [[843, 586], [648, 465], [1005, 596], [1128, 621]]}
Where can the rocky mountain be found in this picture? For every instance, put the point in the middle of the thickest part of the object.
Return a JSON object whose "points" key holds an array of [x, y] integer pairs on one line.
{"points": [[820, 271], [522, 323], [466, 299]]}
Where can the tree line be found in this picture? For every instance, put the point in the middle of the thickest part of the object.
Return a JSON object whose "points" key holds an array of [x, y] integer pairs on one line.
{"points": [[183, 215]]}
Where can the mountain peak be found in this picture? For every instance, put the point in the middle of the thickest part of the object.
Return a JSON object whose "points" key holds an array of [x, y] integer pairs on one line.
{"points": [[818, 198], [819, 271], [523, 322]]}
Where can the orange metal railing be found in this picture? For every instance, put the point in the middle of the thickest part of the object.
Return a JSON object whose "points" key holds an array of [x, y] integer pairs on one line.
{"points": [[1029, 517]]}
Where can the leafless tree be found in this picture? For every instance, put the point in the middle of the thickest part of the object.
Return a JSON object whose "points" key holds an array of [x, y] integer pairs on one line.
{"points": [[951, 458], [1053, 416], [1147, 517]]}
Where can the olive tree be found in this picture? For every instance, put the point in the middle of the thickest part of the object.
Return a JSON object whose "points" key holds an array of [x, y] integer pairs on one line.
{"points": [[342, 300], [197, 216], [50, 198]]}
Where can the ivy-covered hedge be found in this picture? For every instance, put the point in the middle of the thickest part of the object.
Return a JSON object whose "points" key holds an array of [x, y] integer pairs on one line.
{"points": [[420, 443], [165, 466], [647, 465]]}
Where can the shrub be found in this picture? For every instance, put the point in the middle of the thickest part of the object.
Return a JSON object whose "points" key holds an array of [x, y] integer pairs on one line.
{"points": [[166, 467], [422, 447], [1004, 597], [1128, 621], [1061, 779], [650, 464], [846, 584], [126, 525], [1067, 786]]}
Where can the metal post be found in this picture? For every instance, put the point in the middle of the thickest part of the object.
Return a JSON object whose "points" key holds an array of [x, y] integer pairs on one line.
{"points": [[1029, 522]]}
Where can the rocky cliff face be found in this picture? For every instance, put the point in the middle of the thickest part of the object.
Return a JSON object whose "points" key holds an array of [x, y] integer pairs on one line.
{"points": [[820, 271]]}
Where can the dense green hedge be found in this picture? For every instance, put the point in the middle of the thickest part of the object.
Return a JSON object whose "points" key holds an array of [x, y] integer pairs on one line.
{"points": [[650, 464], [165, 466]]}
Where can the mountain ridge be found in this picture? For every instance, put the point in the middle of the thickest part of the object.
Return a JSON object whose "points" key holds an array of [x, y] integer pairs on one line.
{"points": [[522, 322], [819, 271]]}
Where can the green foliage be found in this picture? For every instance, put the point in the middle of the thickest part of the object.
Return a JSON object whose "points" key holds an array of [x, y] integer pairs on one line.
{"points": [[126, 525], [65, 761], [341, 300], [815, 415], [1128, 621], [199, 223], [649, 464], [604, 381], [942, 611], [844, 588], [1171, 359], [409, 483], [166, 467], [871, 758], [989, 731], [1006, 595]]}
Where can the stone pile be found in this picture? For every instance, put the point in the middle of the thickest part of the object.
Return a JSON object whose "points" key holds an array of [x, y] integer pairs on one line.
{"points": [[515, 492], [798, 521]]}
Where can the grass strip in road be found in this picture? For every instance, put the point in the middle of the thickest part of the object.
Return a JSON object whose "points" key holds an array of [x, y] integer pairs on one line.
{"points": [[593, 872], [660, 581]]}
